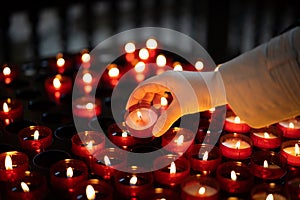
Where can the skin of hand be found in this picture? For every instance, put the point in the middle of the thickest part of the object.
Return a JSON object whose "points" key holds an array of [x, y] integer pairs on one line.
{"points": [[191, 91]]}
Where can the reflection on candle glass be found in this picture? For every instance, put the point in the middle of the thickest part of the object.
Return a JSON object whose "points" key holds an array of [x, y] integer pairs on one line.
{"points": [[90, 192], [24, 187]]}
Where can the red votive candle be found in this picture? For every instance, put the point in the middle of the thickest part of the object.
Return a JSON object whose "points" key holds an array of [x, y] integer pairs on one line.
{"points": [[268, 165], [266, 138], [118, 134], [234, 177], [177, 140], [290, 128], [57, 86], [67, 173], [93, 189], [130, 183], [159, 193], [85, 144], [33, 186], [290, 150], [13, 164], [200, 188], [171, 171], [8, 74], [10, 111], [60, 64], [235, 146], [107, 161], [87, 107], [235, 124], [86, 80], [35, 138], [204, 158], [269, 191]]}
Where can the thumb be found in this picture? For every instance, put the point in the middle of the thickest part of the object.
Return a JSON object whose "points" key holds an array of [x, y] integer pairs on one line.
{"points": [[166, 120]]}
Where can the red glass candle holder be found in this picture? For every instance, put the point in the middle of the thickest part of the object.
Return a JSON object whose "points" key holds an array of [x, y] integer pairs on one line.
{"points": [[86, 80], [130, 184], [139, 120], [234, 177], [11, 110], [35, 143], [87, 107], [159, 193], [290, 150], [60, 64], [107, 162], [268, 191], [177, 140], [236, 125], [13, 164], [266, 138], [100, 190], [268, 165], [37, 187], [8, 73], [235, 146], [62, 181], [85, 144], [290, 128], [204, 158], [200, 188], [58, 86], [118, 134], [163, 174]]}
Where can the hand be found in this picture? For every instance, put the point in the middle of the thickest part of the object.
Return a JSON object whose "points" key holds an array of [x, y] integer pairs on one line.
{"points": [[191, 91]]}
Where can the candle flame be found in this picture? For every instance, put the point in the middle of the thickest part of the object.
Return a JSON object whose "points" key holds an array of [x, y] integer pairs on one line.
{"points": [[199, 65], [140, 67], [177, 67], [270, 197], [107, 161], [124, 134], [151, 43], [24, 187], [36, 135], [163, 101], [113, 72], [139, 114], [266, 135], [201, 190], [133, 180], [6, 71], [237, 120], [90, 192], [205, 156], [85, 57], [180, 140], [8, 162], [90, 145], [5, 107], [60, 62], [56, 83], [297, 151], [238, 145], [87, 78], [69, 172], [212, 110], [130, 47], [233, 175], [172, 168], [291, 125], [89, 106], [266, 165], [161, 61], [144, 54]]}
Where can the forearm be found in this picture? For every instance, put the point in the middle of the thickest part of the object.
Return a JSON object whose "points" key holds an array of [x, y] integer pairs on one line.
{"points": [[262, 85]]}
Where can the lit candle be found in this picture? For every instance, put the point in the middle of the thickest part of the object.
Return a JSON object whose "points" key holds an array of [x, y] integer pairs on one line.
{"points": [[290, 150], [158, 193], [113, 75], [144, 54], [86, 81], [12, 110], [236, 146], [161, 62], [129, 50], [151, 45], [118, 134], [266, 138], [235, 124], [177, 66], [271, 191], [199, 65], [60, 64], [7, 75], [87, 107], [290, 128]]}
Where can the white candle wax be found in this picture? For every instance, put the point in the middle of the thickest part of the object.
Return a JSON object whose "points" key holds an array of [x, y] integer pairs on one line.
{"points": [[263, 196], [290, 150], [263, 135], [193, 190], [146, 119], [231, 143]]}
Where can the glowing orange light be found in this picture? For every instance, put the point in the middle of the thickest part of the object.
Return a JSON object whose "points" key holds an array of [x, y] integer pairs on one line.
{"points": [[237, 120], [161, 60], [6, 71], [56, 83]]}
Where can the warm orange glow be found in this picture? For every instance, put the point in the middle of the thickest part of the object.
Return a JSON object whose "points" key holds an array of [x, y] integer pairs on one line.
{"points": [[151, 43], [89, 106], [107, 161], [201, 190], [56, 83], [266, 165], [69, 172], [180, 140], [199, 65], [140, 67], [60, 62], [270, 197], [90, 192], [297, 151], [8, 162], [133, 180], [233, 175], [163, 101], [130, 47], [5, 107], [177, 67], [36, 135], [266, 135], [6, 71], [161, 60], [113, 72], [24, 187], [85, 57], [144, 54], [205, 156], [237, 120], [172, 168], [291, 125], [238, 145], [87, 78]]}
